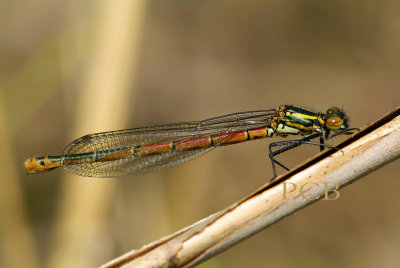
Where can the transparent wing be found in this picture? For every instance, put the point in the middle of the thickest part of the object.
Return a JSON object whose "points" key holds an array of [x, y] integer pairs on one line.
{"points": [[133, 165]]}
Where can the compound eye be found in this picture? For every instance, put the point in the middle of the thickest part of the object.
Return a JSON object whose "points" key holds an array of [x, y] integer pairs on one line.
{"points": [[334, 123]]}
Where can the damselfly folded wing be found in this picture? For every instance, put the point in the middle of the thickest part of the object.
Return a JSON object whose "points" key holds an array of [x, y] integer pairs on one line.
{"points": [[135, 151]]}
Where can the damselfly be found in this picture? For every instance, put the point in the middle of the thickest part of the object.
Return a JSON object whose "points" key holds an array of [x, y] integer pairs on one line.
{"points": [[130, 152]]}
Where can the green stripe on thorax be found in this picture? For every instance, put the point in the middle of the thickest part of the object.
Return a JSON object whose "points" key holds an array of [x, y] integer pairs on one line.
{"points": [[295, 109]]}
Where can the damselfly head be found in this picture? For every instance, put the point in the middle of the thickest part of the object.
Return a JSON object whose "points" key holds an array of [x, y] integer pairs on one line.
{"points": [[336, 119]]}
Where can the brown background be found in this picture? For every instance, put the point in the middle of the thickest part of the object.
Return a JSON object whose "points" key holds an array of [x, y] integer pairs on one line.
{"points": [[190, 60]]}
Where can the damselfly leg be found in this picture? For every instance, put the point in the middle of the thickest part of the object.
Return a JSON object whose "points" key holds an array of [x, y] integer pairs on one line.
{"points": [[349, 131], [290, 144]]}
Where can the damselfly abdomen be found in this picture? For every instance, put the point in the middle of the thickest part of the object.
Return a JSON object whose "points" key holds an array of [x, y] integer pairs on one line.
{"points": [[130, 152]]}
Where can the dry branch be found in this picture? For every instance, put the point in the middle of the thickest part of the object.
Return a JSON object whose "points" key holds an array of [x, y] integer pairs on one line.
{"points": [[368, 150]]}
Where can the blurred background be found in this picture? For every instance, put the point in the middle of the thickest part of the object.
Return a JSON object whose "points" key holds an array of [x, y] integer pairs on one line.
{"points": [[69, 68]]}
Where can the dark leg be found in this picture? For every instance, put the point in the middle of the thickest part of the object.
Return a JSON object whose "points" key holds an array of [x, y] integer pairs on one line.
{"points": [[349, 131], [290, 145], [321, 143]]}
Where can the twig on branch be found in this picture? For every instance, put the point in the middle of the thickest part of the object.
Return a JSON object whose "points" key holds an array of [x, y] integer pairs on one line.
{"points": [[362, 153]]}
